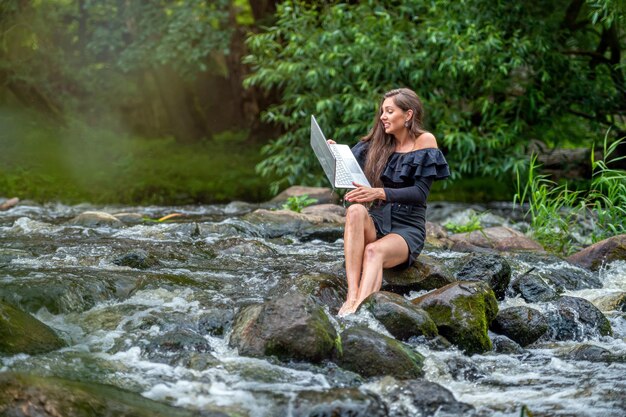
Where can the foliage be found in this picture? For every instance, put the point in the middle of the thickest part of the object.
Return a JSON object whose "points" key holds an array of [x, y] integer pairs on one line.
{"points": [[298, 202], [473, 223], [491, 74], [79, 164], [558, 214]]}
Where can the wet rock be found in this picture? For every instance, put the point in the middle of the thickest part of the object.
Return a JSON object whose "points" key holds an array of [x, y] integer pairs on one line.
{"points": [[603, 252], [276, 223], [371, 354], [522, 324], [323, 195], [611, 302], [400, 317], [490, 268], [462, 312], [215, 321], [330, 213], [181, 347], [427, 273], [499, 238], [591, 353], [239, 246], [502, 344], [95, 219], [289, 327], [533, 289], [420, 397], [63, 294], [138, 259], [30, 396], [22, 333], [572, 318], [462, 368], [571, 278], [437, 236], [338, 402], [326, 289], [129, 218], [9, 203]]}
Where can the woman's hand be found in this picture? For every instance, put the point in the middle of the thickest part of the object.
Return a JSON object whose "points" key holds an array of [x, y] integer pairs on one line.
{"points": [[330, 141], [363, 194]]}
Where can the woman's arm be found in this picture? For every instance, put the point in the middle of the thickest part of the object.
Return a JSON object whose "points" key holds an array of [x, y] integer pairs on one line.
{"points": [[415, 194]]}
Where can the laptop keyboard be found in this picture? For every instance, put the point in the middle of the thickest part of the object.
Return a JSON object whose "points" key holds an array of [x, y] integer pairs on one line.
{"points": [[342, 175]]}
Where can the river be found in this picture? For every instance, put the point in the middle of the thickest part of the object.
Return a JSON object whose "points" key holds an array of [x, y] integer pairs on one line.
{"points": [[111, 316]]}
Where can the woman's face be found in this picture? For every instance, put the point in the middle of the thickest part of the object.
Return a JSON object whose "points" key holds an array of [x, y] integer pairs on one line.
{"points": [[392, 117]]}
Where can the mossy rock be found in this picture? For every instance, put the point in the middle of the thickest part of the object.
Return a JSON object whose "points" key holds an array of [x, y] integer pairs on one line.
{"points": [[338, 402], [29, 395], [371, 354], [400, 317], [427, 273], [22, 333], [291, 327], [605, 251], [462, 312]]}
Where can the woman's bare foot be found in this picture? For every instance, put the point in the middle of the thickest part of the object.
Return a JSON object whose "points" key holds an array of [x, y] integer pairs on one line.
{"points": [[346, 308]]}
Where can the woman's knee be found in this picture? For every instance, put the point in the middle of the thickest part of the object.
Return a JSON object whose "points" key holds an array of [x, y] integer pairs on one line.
{"points": [[372, 251], [356, 213]]}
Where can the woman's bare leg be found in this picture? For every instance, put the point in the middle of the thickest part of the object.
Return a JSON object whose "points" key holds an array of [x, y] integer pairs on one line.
{"points": [[386, 252], [358, 232]]}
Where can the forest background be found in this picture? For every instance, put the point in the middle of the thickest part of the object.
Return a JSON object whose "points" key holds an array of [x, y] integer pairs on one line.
{"points": [[204, 101]]}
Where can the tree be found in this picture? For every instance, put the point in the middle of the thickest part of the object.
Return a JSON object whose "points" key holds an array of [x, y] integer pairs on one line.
{"points": [[160, 66], [493, 75]]}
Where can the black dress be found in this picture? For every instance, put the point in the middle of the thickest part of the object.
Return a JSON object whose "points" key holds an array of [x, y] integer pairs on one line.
{"points": [[406, 179]]}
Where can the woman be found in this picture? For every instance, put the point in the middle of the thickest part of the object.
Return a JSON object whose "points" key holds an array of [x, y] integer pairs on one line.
{"points": [[400, 160]]}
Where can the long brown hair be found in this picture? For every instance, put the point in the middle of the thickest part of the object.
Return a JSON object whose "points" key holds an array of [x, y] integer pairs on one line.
{"points": [[381, 144]]}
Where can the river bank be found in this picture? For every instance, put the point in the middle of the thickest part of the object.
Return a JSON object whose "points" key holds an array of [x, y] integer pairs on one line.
{"points": [[155, 308]]}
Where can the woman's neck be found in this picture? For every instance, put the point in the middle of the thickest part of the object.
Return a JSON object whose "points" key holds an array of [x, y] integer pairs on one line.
{"points": [[404, 141]]}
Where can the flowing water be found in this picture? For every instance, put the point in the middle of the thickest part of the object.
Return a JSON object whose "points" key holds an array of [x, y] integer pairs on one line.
{"points": [[211, 263]]}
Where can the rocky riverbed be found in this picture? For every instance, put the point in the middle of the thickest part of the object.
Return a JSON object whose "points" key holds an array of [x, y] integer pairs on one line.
{"points": [[230, 310]]}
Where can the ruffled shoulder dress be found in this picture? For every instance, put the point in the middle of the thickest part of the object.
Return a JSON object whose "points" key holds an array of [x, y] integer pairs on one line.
{"points": [[406, 179]]}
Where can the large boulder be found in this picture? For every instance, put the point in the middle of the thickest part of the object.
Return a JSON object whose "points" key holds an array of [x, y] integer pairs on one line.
{"points": [[600, 253], [419, 397], [371, 354], [490, 268], [96, 219], [288, 327], [573, 318], [30, 396], [321, 194], [22, 333], [462, 312], [400, 317], [499, 238], [338, 402], [427, 273], [522, 324]]}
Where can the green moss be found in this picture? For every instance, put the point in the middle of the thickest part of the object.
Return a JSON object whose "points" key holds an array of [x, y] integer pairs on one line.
{"points": [[22, 333], [465, 321]]}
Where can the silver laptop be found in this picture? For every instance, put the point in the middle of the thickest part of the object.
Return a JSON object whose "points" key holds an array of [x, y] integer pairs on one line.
{"points": [[338, 161]]}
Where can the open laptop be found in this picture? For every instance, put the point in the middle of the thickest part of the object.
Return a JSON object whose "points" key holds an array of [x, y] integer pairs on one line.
{"points": [[338, 161]]}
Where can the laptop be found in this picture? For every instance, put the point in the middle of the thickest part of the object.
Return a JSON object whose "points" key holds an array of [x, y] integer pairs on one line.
{"points": [[338, 161]]}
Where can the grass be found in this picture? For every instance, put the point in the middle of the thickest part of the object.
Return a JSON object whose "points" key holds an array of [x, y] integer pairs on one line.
{"points": [[78, 164], [558, 212]]}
